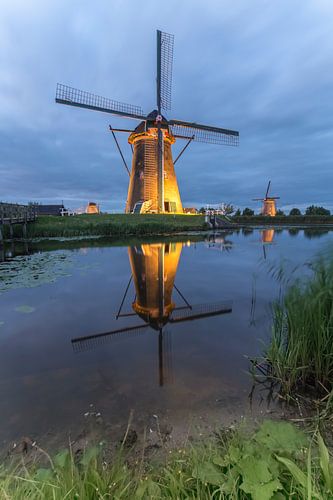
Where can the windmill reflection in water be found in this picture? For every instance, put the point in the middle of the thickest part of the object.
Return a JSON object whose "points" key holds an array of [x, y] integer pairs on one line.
{"points": [[267, 237], [154, 268]]}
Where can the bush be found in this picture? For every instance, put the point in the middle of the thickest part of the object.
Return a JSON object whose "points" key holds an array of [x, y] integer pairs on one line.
{"points": [[315, 210], [295, 211], [248, 212]]}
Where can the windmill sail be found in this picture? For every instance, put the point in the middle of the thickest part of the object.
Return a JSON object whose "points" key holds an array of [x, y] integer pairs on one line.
{"points": [[163, 83], [204, 133], [165, 43], [269, 183], [82, 99], [201, 311], [91, 341]]}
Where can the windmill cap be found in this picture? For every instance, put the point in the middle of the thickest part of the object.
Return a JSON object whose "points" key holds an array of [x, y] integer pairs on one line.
{"points": [[151, 122]]}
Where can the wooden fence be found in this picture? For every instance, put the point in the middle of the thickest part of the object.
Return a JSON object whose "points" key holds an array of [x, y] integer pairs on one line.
{"points": [[13, 213]]}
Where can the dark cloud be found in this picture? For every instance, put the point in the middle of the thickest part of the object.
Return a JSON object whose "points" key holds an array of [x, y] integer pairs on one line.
{"points": [[260, 67]]}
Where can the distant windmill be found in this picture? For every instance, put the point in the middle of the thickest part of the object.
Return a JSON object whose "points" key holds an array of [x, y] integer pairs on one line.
{"points": [[269, 205], [154, 270], [153, 184]]}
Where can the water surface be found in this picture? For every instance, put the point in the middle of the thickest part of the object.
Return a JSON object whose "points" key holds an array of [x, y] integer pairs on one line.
{"points": [[187, 314]]}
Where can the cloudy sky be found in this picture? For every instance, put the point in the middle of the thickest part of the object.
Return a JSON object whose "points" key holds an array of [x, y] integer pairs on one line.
{"points": [[262, 67]]}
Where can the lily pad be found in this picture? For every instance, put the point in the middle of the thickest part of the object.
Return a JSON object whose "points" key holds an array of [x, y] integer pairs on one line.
{"points": [[25, 309], [34, 270]]}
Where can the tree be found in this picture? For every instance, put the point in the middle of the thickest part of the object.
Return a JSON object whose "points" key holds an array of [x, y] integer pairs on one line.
{"points": [[280, 213], [248, 212], [227, 209], [202, 210], [238, 212], [295, 211], [315, 210]]}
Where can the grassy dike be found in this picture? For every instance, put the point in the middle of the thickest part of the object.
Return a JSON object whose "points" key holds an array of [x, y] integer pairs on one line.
{"points": [[276, 461], [123, 225], [114, 225]]}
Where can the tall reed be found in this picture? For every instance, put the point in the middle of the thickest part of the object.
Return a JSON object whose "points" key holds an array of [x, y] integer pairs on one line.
{"points": [[301, 348]]}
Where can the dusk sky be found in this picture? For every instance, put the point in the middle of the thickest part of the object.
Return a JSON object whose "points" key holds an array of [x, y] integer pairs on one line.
{"points": [[264, 68]]}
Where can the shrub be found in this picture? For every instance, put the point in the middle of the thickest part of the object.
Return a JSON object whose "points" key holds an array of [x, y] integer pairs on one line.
{"points": [[315, 210], [248, 212], [295, 211]]}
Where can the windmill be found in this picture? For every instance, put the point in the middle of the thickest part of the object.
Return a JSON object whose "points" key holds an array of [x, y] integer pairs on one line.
{"points": [[269, 206], [153, 184], [154, 270]]}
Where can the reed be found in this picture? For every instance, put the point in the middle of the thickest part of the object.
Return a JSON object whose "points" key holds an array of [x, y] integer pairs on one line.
{"points": [[300, 354]]}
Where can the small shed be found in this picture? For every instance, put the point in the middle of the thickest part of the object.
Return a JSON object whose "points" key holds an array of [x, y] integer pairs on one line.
{"points": [[49, 209]]}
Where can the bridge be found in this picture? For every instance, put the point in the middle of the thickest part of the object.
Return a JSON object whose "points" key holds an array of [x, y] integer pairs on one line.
{"points": [[12, 214]]}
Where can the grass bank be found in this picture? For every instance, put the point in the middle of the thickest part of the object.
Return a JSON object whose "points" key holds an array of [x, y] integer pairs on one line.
{"points": [[300, 355], [114, 225], [277, 461]]}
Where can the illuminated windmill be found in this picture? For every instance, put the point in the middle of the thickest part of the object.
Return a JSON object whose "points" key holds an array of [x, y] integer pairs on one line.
{"points": [[153, 184], [269, 205], [154, 270]]}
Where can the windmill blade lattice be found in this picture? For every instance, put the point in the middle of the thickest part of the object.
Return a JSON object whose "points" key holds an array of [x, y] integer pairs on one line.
{"points": [[204, 133], [82, 99], [88, 342], [201, 311], [165, 43]]}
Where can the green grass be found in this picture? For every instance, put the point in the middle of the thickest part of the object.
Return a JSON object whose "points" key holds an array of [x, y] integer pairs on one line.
{"points": [[300, 354], [114, 225], [276, 461]]}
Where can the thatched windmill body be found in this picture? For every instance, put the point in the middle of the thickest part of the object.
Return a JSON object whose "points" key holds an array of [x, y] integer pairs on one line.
{"points": [[268, 203], [153, 184]]}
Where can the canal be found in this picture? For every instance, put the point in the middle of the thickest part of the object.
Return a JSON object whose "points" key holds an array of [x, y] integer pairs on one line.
{"points": [[93, 334]]}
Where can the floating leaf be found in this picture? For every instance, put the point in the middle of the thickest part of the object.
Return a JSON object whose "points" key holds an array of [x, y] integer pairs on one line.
{"points": [[25, 309], [34, 270]]}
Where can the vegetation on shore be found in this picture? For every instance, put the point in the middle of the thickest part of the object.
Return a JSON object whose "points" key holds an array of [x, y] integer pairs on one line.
{"points": [[288, 220], [276, 461], [127, 225], [114, 225], [300, 353]]}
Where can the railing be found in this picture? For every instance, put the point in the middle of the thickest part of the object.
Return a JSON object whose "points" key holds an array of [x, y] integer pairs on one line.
{"points": [[12, 213]]}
